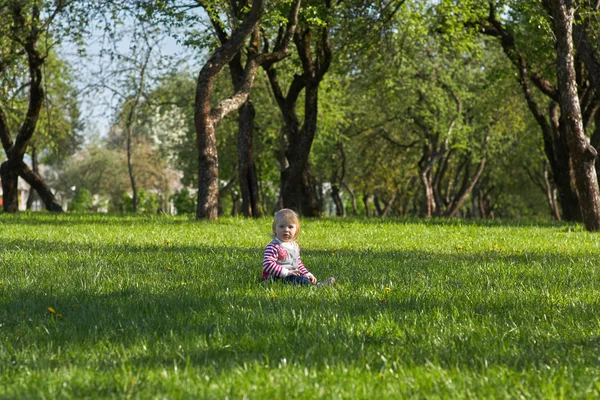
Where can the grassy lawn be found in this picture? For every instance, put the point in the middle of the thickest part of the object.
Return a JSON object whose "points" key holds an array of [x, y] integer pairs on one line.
{"points": [[139, 307]]}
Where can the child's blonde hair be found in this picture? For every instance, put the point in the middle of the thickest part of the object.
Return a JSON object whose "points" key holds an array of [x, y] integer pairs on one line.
{"points": [[288, 215]]}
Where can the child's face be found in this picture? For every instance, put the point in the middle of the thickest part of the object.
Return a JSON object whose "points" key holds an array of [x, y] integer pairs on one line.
{"points": [[285, 230]]}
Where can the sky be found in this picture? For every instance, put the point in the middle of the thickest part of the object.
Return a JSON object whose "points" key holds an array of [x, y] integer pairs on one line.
{"points": [[98, 105]]}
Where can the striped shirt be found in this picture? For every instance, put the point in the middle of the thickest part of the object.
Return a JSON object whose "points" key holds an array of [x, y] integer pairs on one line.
{"points": [[280, 258]]}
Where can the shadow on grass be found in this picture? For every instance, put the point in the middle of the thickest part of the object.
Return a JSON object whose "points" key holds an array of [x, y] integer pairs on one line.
{"points": [[215, 308], [214, 331]]}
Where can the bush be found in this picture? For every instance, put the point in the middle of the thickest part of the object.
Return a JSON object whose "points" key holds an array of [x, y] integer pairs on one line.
{"points": [[183, 202], [83, 201], [148, 203]]}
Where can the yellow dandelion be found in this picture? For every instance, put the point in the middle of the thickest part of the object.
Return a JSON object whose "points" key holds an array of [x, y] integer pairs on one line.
{"points": [[169, 269], [1, 283], [274, 297], [132, 380], [459, 247], [387, 289], [51, 310], [496, 247]]}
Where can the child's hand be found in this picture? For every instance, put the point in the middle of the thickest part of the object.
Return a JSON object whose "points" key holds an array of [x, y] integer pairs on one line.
{"points": [[294, 272], [311, 278]]}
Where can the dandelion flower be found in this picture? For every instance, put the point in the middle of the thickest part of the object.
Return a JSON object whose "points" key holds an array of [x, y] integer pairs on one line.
{"points": [[51, 310]]}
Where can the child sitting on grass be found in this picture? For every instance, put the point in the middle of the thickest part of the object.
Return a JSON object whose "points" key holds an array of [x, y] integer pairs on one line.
{"points": [[282, 256]]}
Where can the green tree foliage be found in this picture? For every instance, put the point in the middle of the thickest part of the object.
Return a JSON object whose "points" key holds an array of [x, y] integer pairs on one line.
{"points": [[183, 201], [82, 201], [416, 114]]}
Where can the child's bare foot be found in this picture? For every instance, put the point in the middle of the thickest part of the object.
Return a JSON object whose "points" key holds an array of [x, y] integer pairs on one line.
{"points": [[329, 282]]}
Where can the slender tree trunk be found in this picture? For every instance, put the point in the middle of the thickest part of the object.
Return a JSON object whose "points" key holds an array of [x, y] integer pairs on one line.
{"points": [[583, 154], [297, 190], [208, 159], [428, 201], [247, 173], [131, 174], [551, 196], [353, 199], [559, 157], [388, 205], [337, 200], [366, 203], [377, 206], [34, 167], [10, 193], [248, 180]]}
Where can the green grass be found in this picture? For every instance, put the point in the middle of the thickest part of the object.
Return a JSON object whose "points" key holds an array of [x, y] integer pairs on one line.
{"points": [[172, 308]]}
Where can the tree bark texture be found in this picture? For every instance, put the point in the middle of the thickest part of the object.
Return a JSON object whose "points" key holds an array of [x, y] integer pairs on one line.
{"points": [[583, 154]]}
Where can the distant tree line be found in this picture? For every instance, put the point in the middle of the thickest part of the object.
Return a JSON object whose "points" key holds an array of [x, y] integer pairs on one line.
{"points": [[474, 109]]}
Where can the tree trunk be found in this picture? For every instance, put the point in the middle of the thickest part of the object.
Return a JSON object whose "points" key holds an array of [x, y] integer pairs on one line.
{"points": [[247, 173], [34, 167], [428, 201], [10, 193], [583, 155], [365, 200], [131, 175], [298, 193], [208, 159], [559, 157], [388, 205], [353, 199], [337, 200], [247, 168], [551, 196]]}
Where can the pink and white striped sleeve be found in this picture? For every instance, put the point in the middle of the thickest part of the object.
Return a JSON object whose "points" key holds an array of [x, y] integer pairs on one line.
{"points": [[270, 266]]}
